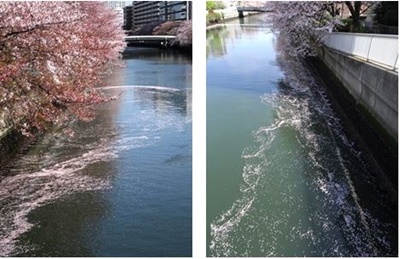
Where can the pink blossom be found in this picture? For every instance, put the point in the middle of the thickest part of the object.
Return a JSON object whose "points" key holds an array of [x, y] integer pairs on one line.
{"points": [[184, 34], [301, 25], [52, 56]]}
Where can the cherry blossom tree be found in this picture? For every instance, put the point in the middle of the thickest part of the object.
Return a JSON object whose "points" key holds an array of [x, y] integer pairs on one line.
{"points": [[184, 34], [166, 28], [52, 57], [181, 29], [146, 29], [301, 25], [251, 3]]}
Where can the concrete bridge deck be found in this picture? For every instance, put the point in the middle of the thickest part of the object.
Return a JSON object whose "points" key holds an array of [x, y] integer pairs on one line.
{"points": [[253, 9], [242, 9], [149, 37], [161, 41]]}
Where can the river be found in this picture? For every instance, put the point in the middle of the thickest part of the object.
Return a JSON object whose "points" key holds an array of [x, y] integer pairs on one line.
{"points": [[283, 178], [122, 186]]}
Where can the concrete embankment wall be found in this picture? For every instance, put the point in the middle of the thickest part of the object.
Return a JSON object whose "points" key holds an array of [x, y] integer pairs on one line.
{"points": [[376, 88]]}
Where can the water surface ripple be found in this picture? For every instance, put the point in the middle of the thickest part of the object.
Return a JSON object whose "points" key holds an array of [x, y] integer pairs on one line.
{"points": [[303, 188], [122, 185]]}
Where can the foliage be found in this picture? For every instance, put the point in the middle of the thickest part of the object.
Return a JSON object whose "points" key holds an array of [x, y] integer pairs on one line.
{"points": [[213, 17], [182, 30], [184, 34], [52, 56], [301, 25], [214, 5], [166, 28], [220, 5], [357, 8], [146, 29], [387, 13], [349, 27], [210, 5]]}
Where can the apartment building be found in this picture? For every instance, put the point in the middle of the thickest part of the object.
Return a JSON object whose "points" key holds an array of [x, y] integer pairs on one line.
{"points": [[176, 10], [144, 12], [117, 4]]}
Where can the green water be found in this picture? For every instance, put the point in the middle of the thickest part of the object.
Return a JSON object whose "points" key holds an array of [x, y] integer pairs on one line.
{"points": [[283, 179]]}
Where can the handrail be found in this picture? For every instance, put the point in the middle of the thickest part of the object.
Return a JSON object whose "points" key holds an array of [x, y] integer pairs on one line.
{"points": [[366, 34], [380, 49]]}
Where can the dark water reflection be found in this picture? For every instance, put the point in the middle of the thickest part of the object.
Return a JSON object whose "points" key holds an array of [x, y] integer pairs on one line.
{"points": [[122, 185]]}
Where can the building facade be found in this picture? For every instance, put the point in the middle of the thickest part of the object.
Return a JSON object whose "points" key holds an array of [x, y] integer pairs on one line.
{"points": [[117, 4], [128, 18], [144, 12], [176, 10]]}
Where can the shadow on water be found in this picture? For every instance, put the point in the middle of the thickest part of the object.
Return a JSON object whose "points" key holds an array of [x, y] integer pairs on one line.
{"points": [[69, 229], [170, 55], [53, 170], [338, 171]]}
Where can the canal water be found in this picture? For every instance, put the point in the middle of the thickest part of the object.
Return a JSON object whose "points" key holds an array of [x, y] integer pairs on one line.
{"points": [[283, 179], [122, 186]]}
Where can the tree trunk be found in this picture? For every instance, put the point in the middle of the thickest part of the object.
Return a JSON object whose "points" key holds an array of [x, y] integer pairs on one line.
{"points": [[355, 13]]}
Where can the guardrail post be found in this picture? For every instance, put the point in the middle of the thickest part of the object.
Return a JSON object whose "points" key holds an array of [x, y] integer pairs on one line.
{"points": [[381, 55], [369, 48], [395, 62]]}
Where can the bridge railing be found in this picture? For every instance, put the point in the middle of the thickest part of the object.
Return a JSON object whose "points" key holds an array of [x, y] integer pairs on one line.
{"points": [[149, 37], [381, 49], [252, 9]]}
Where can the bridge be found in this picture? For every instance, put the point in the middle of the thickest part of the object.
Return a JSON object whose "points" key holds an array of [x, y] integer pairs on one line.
{"points": [[160, 41], [242, 9]]}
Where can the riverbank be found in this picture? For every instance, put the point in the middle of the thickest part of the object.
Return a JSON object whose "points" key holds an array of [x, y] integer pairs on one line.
{"points": [[378, 148], [230, 19], [11, 143]]}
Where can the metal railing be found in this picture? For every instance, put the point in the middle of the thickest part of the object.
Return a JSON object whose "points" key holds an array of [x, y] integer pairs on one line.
{"points": [[381, 49]]}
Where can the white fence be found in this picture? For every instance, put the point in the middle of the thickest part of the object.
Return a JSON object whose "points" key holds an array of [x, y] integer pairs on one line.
{"points": [[381, 49]]}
